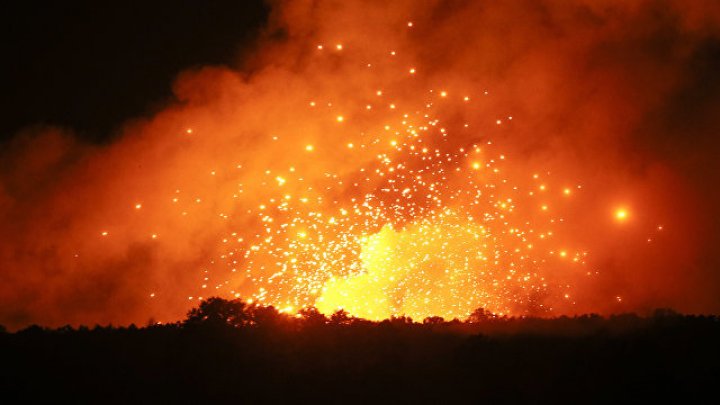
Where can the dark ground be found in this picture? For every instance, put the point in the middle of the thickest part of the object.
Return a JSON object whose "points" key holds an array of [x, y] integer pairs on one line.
{"points": [[217, 356]]}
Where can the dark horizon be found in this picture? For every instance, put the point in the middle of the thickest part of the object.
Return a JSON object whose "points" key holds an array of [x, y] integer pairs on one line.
{"points": [[238, 313], [234, 352]]}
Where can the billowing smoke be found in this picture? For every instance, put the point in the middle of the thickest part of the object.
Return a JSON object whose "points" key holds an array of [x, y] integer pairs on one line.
{"points": [[617, 97]]}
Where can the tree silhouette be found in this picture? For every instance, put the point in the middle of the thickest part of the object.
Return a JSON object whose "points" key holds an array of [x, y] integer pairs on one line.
{"points": [[479, 315], [312, 317], [218, 311], [401, 320], [340, 318], [228, 348], [265, 316], [433, 320], [660, 313]]}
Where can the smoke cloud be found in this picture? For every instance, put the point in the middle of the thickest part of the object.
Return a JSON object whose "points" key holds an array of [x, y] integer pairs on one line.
{"points": [[618, 97]]}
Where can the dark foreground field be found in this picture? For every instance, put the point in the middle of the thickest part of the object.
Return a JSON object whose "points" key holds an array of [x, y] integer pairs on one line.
{"points": [[226, 354]]}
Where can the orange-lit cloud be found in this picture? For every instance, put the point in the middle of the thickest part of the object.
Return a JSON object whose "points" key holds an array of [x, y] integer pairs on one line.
{"points": [[578, 101]]}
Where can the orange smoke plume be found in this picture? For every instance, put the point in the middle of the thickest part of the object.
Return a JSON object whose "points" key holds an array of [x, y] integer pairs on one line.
{"points": [[406, 159]]}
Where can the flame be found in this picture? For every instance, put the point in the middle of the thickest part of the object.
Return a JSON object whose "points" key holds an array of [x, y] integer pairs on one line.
{"points": [[426, 269]]}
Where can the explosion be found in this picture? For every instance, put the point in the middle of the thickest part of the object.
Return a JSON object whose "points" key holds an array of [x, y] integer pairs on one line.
{"points": [[430, 223], [403, 160]]}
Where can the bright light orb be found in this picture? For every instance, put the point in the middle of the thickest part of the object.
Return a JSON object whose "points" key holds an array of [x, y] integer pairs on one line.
{"points": [[621, 214]]}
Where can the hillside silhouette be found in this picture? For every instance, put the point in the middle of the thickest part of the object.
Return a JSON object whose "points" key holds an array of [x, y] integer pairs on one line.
{"points": [[234, 352]]}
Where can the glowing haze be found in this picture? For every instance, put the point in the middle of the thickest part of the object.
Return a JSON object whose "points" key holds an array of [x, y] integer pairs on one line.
{"points": [[413, 158]]}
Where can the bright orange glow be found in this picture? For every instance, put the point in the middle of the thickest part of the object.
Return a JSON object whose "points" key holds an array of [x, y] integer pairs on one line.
{"points": [[383, 166], [430, 240], [621, 214]]}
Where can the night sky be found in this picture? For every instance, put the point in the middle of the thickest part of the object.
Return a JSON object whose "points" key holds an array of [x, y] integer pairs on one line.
{"points": [[129, 129], [90, 67]]}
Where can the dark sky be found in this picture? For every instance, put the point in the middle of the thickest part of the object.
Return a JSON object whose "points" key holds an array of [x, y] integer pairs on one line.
{"points": [[91, 65]]}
